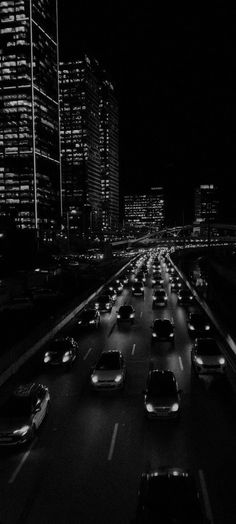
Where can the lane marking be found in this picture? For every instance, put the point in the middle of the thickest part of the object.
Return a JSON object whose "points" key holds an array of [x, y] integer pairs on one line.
{"points": [[113, 441], [133, 349], [141, 314], [181, 364], [87, 354], [110, 332], [21, 463], [205, 496]]}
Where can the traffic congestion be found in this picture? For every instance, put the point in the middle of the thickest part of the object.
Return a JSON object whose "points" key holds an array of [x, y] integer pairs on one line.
{"points": [[126, 416]]}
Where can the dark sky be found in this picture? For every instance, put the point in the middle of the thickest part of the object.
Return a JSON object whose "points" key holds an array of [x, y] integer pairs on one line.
{"points": [[175, 78]]}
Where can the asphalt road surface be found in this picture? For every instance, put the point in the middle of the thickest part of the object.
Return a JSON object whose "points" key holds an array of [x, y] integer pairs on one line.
{"points": [[85, 464]]}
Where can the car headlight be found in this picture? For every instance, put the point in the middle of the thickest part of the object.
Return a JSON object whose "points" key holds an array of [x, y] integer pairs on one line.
{"points": [[154, 334], [118, 378], [79, 321], [118, 316], [107, 305], [97, 305], [191, 327], [22, 431], [132, 315], [94, 379], [66, 356], [133, 288], [47, 357], [222, 360], [199, 360], [171, 335], [149, 407], [142, 288], [174, 407], [207, 327], [91, 321]]}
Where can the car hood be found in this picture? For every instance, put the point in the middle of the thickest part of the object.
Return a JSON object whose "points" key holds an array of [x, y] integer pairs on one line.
{"points": [[108, 374], [163, 401], [210, 360], [12, 424]]}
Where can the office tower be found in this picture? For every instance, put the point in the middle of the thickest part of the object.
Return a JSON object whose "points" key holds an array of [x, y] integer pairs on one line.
{"points": [[109, 151], [89, 142], [206, 203], [30, 179], [80, 144], [145, 211]]}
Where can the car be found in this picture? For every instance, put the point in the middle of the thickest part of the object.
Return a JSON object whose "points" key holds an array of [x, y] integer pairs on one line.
{"points": [[157, 279], [109, 372], [159, 298], [125, 280], [62, 352], [169, 496], [162, 329], [206, 357], [89, 318], [185, 297], [198, 324], [125, 313], [117, 287], [111, 291], [22, 413], [162, 396], [138, 289], [175, 285], [140, 277], [103, 303]]}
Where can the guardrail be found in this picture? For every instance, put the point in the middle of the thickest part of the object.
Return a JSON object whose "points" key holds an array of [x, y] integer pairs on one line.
{"points": [[60, 324], [219, 327]]}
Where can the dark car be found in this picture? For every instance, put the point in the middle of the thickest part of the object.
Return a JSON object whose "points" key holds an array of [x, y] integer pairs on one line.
{"points": [[162, 329], [159, 298], [104, 303], [109, 372], [22, 413], [169, 496], [175, 284], [138, 289], [62, 352], [89, 318], [185, 297], [198, 324], [206, 357], [125, 313], [140, 277], [161, 396]]}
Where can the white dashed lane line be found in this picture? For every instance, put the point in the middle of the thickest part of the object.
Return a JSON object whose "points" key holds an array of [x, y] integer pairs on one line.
{"points": [[21, 463], [87, 354], [113, 441], [205, 496], [181, 364]]}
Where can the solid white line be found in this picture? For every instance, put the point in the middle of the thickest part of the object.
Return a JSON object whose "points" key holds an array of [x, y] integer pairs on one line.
{"points": [[141, 314], [181, 364], [18, 468], [87, 354], [133, 350], [205, 496], [113, 441]]}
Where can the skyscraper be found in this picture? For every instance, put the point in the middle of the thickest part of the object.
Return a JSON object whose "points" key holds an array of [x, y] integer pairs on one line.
{"points": [[80, 143], [30, 176], [89, 141], [109, 150], [145, 211], [206, 203]]}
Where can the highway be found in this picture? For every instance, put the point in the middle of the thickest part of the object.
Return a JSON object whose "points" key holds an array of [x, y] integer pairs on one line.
{"points": [[85, 464]]}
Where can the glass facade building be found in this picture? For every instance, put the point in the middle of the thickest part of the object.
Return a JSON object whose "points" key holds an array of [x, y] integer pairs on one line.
{"points": [[206, 203], [30, 174], [146, 211], [109, 151]]}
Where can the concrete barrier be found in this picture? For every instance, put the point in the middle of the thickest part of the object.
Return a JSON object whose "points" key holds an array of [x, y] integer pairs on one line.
{"points": [[59, 325]]}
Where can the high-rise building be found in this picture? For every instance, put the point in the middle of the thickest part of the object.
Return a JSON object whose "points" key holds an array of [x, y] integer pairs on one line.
{"points": [[109, 151], [146, 211], [206, 203], [89, 142], [30, 175]]}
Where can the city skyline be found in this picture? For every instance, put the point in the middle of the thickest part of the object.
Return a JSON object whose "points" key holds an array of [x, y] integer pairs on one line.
{"points": [[173, 77]]}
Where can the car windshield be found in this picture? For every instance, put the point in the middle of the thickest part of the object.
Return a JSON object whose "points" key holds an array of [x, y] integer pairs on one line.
{"points": [[104, 298], [108, 361], [173, 500], [197, 319], [16, 407], [87, 315], [60, 346], [207, 347], [124, 310], [162, 384]]}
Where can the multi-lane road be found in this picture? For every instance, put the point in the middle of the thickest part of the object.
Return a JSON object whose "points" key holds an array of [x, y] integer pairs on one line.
{"points": [[84, 466]]}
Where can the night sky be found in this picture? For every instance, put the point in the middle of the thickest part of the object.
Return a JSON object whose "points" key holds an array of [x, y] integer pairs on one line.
{"points": [[175, 79]]}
